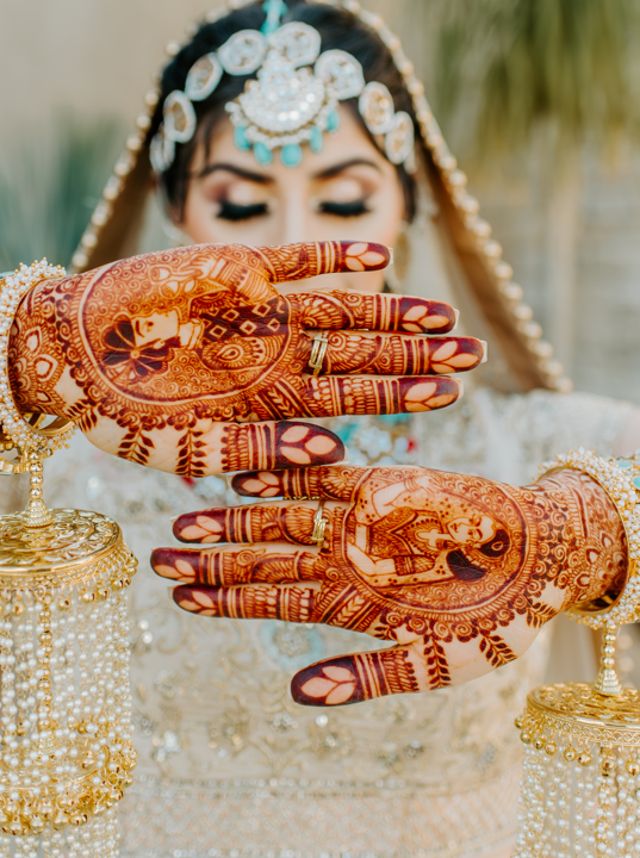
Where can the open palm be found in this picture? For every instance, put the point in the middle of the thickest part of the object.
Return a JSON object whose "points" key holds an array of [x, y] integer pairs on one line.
{"points": [[162, 358]]}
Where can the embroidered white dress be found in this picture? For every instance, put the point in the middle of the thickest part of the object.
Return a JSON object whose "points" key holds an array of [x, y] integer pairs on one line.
{"points": [[229, 765]]}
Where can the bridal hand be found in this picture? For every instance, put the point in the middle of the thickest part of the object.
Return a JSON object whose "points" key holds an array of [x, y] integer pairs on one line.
{"points": [[162, 358], [457, 572]]}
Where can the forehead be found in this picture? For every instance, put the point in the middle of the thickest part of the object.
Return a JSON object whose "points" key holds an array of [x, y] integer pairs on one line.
{"points": [[348, 142]]}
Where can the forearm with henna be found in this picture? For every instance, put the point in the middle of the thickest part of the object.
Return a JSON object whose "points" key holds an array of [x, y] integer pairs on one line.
{"points": [[457, 571]]}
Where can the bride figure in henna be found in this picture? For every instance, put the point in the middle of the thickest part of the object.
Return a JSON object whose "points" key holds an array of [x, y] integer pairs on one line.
{"points": [[457, 572], [166, 359]]}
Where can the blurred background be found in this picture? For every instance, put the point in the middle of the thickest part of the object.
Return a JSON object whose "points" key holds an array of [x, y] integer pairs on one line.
{"points": [[540, 101]]}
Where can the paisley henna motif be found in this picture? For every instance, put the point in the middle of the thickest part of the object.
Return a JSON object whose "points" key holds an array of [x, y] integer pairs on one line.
{"points": [[159, 358], [457, 572]]}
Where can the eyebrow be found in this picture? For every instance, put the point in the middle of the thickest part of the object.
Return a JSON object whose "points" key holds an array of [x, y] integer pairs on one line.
{"points": [[262, 179], [336, 169], [208, 169]]}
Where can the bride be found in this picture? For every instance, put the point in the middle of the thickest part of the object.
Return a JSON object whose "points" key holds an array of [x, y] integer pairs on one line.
{"points": [[229, 764]]}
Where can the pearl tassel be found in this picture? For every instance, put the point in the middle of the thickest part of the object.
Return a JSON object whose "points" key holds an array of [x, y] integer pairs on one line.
{"points": [[66, 751]]}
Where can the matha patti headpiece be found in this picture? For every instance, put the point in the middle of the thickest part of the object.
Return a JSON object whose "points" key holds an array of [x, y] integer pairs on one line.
{"points": [[293, 99]]}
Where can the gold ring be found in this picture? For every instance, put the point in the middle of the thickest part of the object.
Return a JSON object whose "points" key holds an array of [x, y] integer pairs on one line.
{"points": [[319, 346], [319, 525]]}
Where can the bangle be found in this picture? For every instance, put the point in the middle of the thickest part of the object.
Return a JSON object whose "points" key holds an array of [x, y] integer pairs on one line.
{"points": [[23, 433], [620, 479]]}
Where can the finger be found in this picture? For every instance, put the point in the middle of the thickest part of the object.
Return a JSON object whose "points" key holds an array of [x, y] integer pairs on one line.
{"points": [[352, 678], [331, 395], [232, 568], [292, 522], [260, 602], [299, 261], [374, 312], [334, 483], [398, 354], [270, 444]]}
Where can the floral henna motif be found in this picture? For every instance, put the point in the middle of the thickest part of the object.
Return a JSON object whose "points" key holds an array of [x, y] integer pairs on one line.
{"points": [[456, 572], [375, 354], [160, 357]]}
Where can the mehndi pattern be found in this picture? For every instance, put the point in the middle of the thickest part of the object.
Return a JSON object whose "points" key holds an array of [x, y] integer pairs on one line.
{"points": [[458, 572]]}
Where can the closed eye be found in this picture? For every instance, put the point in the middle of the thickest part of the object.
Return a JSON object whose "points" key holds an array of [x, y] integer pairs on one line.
{"points": [[354, 208], [235, 212]]}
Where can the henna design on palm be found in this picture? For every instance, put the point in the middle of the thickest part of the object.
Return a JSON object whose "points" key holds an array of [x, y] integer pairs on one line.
{"points": [[457, 572], [162, 358]]}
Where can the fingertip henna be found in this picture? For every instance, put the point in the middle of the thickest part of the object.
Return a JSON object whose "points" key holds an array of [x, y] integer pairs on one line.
{"points": [[332, 684], [280, 444]]}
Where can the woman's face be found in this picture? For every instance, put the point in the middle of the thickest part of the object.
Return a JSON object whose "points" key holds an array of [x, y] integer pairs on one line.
{"points": [[347, 191]]}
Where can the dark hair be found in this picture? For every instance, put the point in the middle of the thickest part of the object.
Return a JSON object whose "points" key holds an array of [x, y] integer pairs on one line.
{"points": [[338, 29]]}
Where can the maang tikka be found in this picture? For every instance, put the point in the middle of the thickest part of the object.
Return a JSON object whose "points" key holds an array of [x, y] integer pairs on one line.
{"points": [[292, 100]]}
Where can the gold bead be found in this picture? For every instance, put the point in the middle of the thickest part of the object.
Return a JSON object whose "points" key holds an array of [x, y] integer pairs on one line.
{"points": [[607, 768]]}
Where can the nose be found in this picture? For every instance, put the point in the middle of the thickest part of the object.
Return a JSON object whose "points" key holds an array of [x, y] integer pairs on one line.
{"points": [[296, 226]]}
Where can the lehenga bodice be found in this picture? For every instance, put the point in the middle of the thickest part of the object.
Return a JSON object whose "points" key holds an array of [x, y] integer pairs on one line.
{"points": [[229, 765]]}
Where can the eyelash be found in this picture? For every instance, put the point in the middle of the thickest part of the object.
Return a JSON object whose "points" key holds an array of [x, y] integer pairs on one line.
{"points": [[351, 209], [233, 212]]}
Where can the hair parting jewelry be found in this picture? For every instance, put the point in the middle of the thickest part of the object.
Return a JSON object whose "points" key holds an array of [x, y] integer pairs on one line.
{"points": [[290, 98], [17, 431]]}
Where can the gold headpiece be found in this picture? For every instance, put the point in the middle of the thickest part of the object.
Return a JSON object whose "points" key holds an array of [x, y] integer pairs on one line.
{"points": [[292, 100]]}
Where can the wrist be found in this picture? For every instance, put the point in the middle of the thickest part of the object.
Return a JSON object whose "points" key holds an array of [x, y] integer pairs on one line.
{"points": [[619, 480], [17, 432], [594, 559], [34, 355]]}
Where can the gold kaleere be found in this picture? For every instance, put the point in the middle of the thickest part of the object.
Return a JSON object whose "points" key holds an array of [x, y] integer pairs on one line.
{"points": [[581, 781], [66, 751], [581, 787]]}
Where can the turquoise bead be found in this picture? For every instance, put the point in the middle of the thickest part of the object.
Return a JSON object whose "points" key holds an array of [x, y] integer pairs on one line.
{"points": [[291, 155], [240, 138], [636, 483], [316, 141], [263, 154], [333, 121]]}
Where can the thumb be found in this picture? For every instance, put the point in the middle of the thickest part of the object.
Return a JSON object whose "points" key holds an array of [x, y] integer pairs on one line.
{"points": [[356, 677]]}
